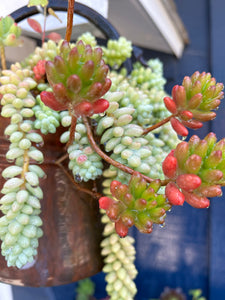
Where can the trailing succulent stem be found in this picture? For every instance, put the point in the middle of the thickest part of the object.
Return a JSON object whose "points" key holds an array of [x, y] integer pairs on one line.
{"points": [[20, 205]]}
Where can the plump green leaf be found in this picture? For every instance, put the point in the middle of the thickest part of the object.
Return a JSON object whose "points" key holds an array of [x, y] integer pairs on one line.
{"points": [[37, 2]]}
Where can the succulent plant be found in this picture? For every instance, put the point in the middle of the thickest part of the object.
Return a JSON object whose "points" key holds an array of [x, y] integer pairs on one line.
{"points": [[20, 205], [196, 169], [194, 101], [117, 51], [78, 80], [9, 32], [119, 256], [136, 204]]}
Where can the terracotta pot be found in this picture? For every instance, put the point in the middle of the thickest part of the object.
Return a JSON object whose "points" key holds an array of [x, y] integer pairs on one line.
{"points": [[69, 249]]}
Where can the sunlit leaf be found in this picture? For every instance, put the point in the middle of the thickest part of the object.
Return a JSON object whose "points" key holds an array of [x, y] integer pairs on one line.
{"points": [[35, 25], [52, 13], [37, 2]]}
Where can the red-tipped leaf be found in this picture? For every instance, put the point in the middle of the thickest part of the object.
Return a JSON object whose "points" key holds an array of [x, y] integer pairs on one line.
{"points": [[173, 194], [170, 105], [105, 202], [49, 100], [196, 201], [121, 228], [100, 106], [169, 166], [188, 182], [179, 127]]}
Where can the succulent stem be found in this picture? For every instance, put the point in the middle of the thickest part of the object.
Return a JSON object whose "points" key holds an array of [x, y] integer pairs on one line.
{"points": [[72, 130], [44, 27], [157, 125], [3, 60], [69, 26], [105, 156], [26, 161], [94, 194], [62, 158]]}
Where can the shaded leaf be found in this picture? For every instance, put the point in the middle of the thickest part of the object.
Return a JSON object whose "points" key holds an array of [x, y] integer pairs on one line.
{"points": [[35, 25]]}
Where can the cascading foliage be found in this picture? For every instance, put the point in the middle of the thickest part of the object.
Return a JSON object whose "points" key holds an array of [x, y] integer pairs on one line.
{"points": [[20, 225]]}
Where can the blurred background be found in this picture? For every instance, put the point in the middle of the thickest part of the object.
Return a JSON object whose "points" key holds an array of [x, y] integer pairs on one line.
{"points": [[186, 36]]}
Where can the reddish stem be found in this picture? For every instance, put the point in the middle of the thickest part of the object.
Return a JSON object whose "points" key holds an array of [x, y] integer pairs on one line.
{"points": [[106, 157], [69, 26], [80, 188], [157, 125], [72, 130], [44, 28], [62, 158]]}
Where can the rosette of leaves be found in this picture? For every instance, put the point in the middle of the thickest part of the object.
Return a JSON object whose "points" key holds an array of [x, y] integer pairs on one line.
{"points": [[78, 78], [194, 101], [196, 171], [9, 32], [135, 204]]}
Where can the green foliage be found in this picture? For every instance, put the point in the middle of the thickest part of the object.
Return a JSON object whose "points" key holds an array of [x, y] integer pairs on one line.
{"points": [[119, 256], [9, 32], [88, 39], [37, 2], [20, 204], [84, 163], [117, 51], [85, 289], [148, 78], [196, 294]]}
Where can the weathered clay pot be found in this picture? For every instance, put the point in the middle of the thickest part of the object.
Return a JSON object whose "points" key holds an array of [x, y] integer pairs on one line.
{"points": [[69, 250]]}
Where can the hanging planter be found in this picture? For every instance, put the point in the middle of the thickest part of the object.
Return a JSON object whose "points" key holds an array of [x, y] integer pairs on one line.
{"points": [[70, 248]]}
